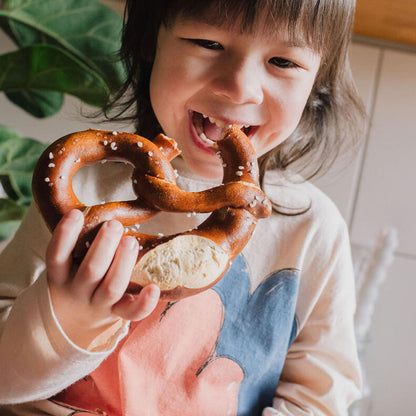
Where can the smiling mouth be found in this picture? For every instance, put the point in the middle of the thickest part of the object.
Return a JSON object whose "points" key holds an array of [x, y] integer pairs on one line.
{"points": [[210, 129]]}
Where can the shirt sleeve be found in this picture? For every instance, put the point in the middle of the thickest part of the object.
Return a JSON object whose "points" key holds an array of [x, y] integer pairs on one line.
{"points": [[321, 375], [37, 359]]}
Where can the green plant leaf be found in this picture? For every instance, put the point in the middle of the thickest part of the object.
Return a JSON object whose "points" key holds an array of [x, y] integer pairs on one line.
{"points": [[86, 28], [4, 25], [40, 104], [18, 157], [8, 133], [46, 67], [11, 215]]}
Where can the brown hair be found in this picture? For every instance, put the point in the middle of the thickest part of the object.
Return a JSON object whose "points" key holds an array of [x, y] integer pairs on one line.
{"points": [[333, 116]]}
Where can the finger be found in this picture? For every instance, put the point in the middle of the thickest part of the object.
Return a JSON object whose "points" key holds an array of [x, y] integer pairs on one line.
{"points": [[115, 282], [98, 259], [136, 308], [59, 252]]}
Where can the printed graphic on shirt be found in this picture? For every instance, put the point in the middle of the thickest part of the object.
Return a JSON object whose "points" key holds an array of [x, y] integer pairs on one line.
{"points": [[217, 353], [257, 331]]}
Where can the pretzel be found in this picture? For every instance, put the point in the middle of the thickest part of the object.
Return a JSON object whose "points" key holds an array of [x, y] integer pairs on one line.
{"points": [[181, 264]]}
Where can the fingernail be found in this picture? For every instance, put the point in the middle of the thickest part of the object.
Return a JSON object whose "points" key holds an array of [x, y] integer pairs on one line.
{"points": [[130, 297], [74, 214], [114, 225], [130, 242], [154, 292]]}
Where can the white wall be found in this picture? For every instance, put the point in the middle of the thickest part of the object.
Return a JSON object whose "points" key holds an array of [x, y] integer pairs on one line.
{"points": [[377, 190]]}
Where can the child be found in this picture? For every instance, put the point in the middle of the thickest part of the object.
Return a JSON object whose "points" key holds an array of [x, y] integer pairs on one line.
{"points": [[275, 336]]}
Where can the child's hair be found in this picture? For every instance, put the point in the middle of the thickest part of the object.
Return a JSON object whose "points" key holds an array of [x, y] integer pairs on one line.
{"points": [[332, 118]]}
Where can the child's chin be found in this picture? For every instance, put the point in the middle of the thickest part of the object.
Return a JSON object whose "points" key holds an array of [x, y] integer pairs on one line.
{"points": [[210, 168]]}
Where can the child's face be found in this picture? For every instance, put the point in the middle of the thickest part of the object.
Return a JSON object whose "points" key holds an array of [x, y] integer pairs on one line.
{"points": [[254, 80]]}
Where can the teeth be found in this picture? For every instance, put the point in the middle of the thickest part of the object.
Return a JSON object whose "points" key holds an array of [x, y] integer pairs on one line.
{"points": [[222, 124], [206, 140], [219, 123]]}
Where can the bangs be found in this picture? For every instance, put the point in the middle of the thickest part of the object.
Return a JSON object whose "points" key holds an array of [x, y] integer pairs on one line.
{"points": [[317, 24]]}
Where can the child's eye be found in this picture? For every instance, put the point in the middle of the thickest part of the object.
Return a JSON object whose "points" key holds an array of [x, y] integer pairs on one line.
{"points": [[282, 62], [207, 44]]}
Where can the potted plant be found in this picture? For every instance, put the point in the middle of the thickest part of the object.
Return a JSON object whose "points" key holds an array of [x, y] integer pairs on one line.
{"points": [[62, 47]]}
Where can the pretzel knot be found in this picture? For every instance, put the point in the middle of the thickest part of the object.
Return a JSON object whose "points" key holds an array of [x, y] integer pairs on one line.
{"points": [[181, 264]]}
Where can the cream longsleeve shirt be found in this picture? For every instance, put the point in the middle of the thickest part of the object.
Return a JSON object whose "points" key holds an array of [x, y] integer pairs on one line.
{"points": [[320, 369]]}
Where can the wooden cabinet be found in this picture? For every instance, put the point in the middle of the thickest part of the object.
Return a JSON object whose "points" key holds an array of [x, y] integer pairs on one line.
{"points": [[391, 20]]}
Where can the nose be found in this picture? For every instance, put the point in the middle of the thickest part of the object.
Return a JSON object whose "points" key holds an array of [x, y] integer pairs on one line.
{"points": [[240, 82]]}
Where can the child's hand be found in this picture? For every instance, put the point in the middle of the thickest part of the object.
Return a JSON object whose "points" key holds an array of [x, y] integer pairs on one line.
{"points": [[89, 300]]}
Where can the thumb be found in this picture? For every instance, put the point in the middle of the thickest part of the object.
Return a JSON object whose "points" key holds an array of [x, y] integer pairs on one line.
{"points": [[137, 307]]}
